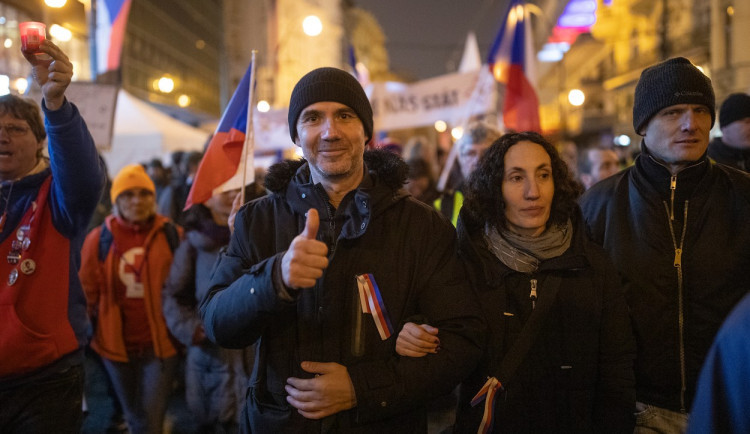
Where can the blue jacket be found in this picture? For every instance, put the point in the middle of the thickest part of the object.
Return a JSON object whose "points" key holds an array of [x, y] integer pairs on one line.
{"points": [[722, 398]]}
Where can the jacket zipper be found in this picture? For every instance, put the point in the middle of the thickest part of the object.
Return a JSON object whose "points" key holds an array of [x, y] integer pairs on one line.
{"points": [[678, 265], [532, 294], [672, 187]]}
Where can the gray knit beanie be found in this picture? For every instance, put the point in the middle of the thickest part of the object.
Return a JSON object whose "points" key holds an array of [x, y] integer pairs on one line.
{"points": [[674, 81], [329, 84], [734, 108]]}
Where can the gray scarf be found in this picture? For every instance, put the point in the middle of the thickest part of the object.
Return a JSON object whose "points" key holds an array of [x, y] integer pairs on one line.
{"points": [[522, 253]]}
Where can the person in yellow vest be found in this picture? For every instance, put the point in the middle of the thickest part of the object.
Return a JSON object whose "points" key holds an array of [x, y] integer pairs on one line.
{"points": [[471, 147], [125, 263]]}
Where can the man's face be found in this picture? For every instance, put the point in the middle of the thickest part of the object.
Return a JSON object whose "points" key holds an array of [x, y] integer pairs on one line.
{"points": [[737, 134], [18, 148], [332, 139], [604, 163], [469, 156], [678, 134], [136, 205]]}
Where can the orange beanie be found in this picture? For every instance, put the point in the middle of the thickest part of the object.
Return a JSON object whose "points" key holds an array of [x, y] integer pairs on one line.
{"points": [[131, 176]]}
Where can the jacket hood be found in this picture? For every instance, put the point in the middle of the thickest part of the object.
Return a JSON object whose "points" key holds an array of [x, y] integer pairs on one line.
{"points": [[388, 167]]}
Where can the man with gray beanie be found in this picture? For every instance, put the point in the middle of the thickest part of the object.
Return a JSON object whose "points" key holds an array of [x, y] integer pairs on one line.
{"points": [[323, 272], [733, 147], [675, 225]]}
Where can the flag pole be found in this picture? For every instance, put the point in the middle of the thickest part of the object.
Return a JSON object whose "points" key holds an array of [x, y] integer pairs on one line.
{"points": [[250, 133]]}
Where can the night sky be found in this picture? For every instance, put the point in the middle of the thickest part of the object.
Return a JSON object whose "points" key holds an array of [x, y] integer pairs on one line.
{"points": [[425, 38]]}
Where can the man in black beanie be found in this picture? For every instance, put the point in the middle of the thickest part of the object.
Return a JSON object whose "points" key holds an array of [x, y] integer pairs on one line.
{"points": [[733, 147], [324, 270], [676, 227]]}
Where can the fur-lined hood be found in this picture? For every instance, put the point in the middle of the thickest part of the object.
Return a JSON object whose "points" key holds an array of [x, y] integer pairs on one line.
{"points": [[389, 168]]}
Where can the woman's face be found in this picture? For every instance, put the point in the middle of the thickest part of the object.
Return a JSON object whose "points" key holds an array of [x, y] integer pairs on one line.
{"points": [[528, 188], [136, 205]]}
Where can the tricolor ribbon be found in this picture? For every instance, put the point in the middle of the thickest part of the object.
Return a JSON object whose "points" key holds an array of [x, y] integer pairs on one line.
{"points": [[372, 303], [487, 393]]}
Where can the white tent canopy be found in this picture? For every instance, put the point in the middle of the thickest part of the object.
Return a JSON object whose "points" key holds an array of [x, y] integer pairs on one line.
{"points": [[141, 133]]}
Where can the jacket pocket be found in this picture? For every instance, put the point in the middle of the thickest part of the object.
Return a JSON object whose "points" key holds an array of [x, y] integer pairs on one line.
{"points": [[21, 348], [267, 411]]}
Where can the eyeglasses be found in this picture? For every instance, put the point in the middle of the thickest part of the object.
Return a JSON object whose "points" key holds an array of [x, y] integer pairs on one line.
{"points": [[14, 130]]}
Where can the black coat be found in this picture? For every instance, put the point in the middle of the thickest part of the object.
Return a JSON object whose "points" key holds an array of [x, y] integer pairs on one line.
{"points": [[578, 375], [410, 250], [676, 310], [732, 157]]}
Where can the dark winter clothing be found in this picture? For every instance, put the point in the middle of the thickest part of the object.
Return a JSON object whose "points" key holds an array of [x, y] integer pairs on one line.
{"points": [[683, 254], [411, 252], [578, 374], [215, 377], [722, 153]]}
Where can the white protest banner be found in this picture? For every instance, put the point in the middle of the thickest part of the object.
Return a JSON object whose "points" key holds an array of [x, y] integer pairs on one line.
{"points": [[447, 98]]}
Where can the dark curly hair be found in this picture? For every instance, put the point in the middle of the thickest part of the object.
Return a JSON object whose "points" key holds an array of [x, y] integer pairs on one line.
{"points": [[484, 191]]}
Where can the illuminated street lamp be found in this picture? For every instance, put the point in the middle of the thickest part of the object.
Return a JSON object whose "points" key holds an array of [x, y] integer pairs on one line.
{"points": [[263, 106], [21, 84], [441, 126], [164, 84], [183, 100], [55, 3], [576, 97], [457, 133], [312, 26], [60, 33]]}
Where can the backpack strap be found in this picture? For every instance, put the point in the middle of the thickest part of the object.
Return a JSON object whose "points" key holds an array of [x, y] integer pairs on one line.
{"points": [[105, 242], [173, 237]]}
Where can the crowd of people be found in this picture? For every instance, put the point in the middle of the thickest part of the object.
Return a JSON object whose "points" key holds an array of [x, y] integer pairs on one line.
{"points": [[545, 290]]}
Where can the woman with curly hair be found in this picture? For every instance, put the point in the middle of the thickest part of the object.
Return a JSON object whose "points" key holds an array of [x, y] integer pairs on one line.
{"points": [[559, 356]]}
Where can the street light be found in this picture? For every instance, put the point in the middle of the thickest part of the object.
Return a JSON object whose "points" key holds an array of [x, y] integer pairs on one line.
{"points": [[457, 133], [60, 33], [183, 100], [441, 126], [164, 84], [576, 97], [312, 26], [55, 3], [263, 106]]}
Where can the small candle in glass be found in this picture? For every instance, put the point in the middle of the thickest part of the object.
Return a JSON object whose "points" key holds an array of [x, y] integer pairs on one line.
{"points": [[32, 36]]}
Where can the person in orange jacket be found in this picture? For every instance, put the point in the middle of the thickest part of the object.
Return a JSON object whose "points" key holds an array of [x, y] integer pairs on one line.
{"points": [[125, 262]]}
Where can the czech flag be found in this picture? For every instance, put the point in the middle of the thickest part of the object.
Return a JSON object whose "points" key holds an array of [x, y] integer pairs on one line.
{"points": [[222, 158], [510, 62], [111, 17]]}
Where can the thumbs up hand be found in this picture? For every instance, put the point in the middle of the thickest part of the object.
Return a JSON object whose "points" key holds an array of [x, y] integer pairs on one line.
{"points": [[304, 261]]}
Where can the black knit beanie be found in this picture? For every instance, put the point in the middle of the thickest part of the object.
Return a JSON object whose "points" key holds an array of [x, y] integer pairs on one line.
{"points": [[329, 84], [734, 108], [674, 81]]}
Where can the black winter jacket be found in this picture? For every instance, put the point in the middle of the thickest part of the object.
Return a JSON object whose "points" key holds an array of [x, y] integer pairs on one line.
{"points": [[680, 285], [732, 157], [411, 252], [578, 375]]}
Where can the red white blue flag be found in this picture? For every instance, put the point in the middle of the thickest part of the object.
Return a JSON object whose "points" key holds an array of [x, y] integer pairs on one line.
{"points": [[487, 394], [224, 153], [510, 61], [111, 18], [372, 303]]}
